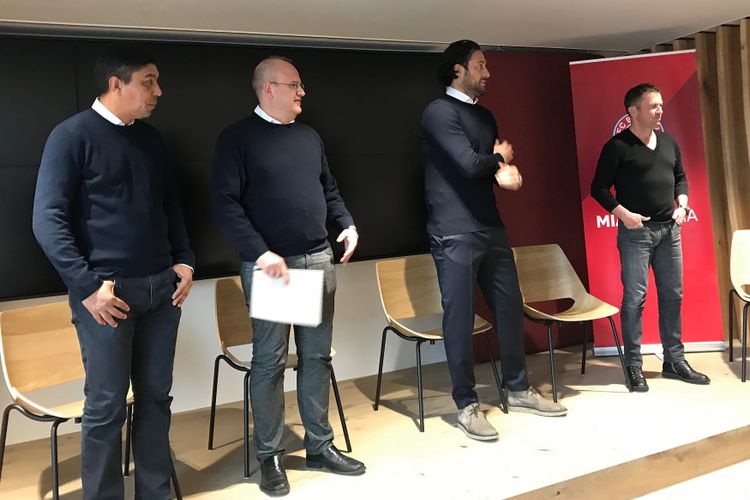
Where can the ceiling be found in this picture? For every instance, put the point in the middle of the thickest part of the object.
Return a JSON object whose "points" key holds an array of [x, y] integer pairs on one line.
{"points": [[595, 25]]}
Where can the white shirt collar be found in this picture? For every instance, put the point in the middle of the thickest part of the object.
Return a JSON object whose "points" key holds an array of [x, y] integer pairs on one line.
{"points": [[460, 95], [270, 119], [107, 114]]}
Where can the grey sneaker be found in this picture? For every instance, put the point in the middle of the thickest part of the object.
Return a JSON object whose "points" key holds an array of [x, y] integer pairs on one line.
{"points": [[472, 421], [529, 401]]}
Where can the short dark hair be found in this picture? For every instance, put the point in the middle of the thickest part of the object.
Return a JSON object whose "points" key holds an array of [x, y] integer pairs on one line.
{"points": [[633, 96], [459, 52], [120, 60]]}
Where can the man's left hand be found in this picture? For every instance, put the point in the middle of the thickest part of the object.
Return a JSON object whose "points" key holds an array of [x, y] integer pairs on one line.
{"points": [[184, 285], [350, 237], [679, 215]]}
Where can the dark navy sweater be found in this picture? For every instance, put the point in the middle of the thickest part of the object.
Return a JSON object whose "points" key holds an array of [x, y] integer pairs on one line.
{"points": [[105, 206], [646, 181], [458, 140], [273, 190]]}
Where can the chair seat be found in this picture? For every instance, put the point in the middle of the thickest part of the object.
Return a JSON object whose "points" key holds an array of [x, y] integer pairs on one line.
{"points": [[71, 410], [587, 308], [430, 326], [744, 292]]}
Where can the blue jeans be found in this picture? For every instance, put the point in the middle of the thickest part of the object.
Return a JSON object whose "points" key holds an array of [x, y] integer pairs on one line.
{"points": [[141, 348], [656, 245], [270, 351]]}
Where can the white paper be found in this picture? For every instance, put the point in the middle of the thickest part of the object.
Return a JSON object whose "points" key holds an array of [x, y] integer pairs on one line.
{"points": [[299, 302]]}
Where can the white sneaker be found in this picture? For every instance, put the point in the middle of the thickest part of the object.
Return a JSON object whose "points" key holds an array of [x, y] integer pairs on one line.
{"points": [[473, 422]]}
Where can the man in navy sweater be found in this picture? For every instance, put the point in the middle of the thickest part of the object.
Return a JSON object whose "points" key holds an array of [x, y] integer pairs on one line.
{"points": [[107, 216], [645, 167], [273, 194], [463, 159]]}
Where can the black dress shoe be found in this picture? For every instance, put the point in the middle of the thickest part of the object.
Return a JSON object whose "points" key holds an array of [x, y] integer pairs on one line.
{"points": [[636, 379], [681, 370], [334, 461], [273, 477]]}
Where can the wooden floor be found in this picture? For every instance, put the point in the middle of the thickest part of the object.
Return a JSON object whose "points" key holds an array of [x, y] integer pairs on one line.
{"points": [[613, 444]]}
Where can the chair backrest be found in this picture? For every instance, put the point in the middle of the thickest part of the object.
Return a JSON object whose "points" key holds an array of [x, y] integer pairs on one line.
{"points": [[408, 286], [232, 317], [545, 273], [39, 347], [739, 262]]}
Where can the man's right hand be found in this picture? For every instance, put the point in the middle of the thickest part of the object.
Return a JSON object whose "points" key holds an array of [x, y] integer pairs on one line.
{"points": [[631, 220], [273, 265], [104, 306], [505, 149], [508, 177]]}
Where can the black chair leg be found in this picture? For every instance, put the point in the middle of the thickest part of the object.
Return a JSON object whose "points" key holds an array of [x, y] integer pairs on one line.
{"points": [[128, 433], [176, 484], [55, 467], [584, 346], [341, 411], [246, 422], [744, 342], [552, 362], [731, 325], [4, 434], [420, 396], [498, 380], [619, 353], [212, 418], [380, 369]]}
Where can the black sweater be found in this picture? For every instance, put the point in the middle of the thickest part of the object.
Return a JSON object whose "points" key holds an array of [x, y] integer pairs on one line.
{"points": [[646, 181], [272, 189], [458, 140], [105, 205]]}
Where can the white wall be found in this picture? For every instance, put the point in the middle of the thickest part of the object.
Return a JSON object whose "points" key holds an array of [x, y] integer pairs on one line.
{"points": [[358, 324]]}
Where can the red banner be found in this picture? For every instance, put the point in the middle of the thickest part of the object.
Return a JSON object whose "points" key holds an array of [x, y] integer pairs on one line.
{"points": [[598, 89]]}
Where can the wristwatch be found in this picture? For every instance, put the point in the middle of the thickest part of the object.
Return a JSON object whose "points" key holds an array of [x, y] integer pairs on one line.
{"points": [[499, 158], [687, 209]]}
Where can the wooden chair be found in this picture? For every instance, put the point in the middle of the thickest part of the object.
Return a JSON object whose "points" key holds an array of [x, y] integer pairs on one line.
{"points": [[410, 295], [39, 349], [739, 270], [545, 274], [235, 329]]}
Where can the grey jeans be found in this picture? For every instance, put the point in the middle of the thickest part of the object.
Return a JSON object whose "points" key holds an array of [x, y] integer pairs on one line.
{"points": [[656, 245], [270, 352]]}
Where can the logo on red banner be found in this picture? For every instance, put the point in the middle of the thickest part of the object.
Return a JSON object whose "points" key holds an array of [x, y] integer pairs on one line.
{"points": [[624, 122]]}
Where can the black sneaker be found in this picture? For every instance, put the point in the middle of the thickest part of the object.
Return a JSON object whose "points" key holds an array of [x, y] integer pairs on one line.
{"points": [[636, 378]]}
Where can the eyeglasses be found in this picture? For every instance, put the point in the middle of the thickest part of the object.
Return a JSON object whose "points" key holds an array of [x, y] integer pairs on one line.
{"points": [[295, 85]]}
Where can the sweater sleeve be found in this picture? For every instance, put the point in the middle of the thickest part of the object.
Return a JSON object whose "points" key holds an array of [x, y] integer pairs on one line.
{"points": [[604, 177], [57, 188], [228, 183], [680, 178], [176, 231], [442, 127], [337, 211]]}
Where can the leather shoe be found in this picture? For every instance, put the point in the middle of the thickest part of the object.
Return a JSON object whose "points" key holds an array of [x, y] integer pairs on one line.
{"points": [[273, 479], [681, 370], [636, 379], [334, 461]]}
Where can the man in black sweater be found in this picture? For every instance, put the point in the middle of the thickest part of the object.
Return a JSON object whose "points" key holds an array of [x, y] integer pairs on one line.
{"points": [[463, 159], [107, 216], [273, 194], [645, 167]]}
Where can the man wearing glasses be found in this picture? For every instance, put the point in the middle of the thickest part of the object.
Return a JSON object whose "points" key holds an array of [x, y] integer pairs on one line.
{"points": [[273, 195]]}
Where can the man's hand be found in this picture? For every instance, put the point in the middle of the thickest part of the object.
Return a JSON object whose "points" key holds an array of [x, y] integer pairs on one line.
{"points": [[183, 287], [679, 215], [104, 306], [505, 149], [350, 237], [508, 177], [631, 220], [273, 265]]}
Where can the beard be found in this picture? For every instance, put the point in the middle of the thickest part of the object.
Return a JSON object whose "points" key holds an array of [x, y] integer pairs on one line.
{"points": [[474, 88]]}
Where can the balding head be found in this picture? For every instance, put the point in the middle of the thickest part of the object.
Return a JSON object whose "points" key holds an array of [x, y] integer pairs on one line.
{"points": [[278, 86]]}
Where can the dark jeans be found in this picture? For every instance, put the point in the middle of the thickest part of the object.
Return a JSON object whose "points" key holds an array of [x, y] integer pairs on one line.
{"points": [[270, 351], [141, 348], [656, 245], [462, 261]]}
